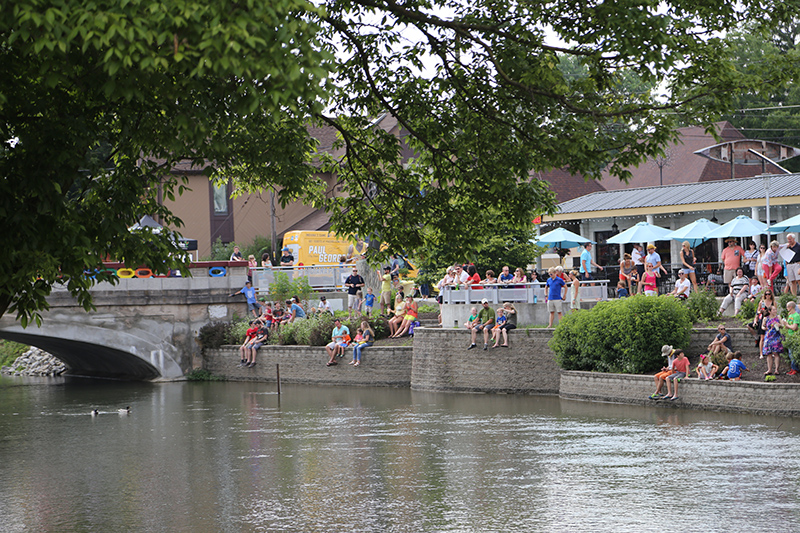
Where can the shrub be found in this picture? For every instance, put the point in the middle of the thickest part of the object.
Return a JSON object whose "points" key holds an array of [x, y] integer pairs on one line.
{"points": [[784, 299], [201, 374], [702, 306], [747, 312], [282, 289], [623, 335], [214, 335], [222, 251], [316, 331], [9, 351]]}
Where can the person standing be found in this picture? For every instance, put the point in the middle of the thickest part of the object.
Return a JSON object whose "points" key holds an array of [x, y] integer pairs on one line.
{"points": [[587, 262], [793, 264], [386, 289], [287, 259], [731, 258], [574, 292], [556, 291], [750, 260], [354, 282], [689, 263], [250, 295], [637, 256], [505, 276], [655, 260], [792, 323]]}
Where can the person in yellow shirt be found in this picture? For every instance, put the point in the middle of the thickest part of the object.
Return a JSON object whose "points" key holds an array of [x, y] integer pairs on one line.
{"points": [[386, 289]]}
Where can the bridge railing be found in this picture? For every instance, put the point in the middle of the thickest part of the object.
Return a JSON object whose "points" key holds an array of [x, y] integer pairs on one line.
{"points": [[595, 290]]}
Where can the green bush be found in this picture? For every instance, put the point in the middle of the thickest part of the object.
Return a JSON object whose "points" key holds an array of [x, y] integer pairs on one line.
{"points": [[282, 288], [216, 334], [316, 331], [622, 335], [747, 312], [9, 351], [784, 299], [702, 306], [201, 374]]}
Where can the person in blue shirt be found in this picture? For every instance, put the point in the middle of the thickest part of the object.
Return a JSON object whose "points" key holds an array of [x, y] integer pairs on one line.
{"points": [[294, 309], [556, 290], [369, 301], [735, 367], [505, 276], [250, 294], [587, 262]]}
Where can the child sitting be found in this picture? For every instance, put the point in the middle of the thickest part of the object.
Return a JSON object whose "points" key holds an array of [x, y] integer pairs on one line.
{"points": [[706, 369], [735, 367], [499, 322], [472, 318], [359, 337], [622, 290]]}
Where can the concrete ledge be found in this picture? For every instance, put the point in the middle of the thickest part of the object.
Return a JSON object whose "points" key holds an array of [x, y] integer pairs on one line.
{"points": [[779, 399], [380, 366]]}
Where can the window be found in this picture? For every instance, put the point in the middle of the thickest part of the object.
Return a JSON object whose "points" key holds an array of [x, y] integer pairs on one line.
{"points": [[221, 199]]}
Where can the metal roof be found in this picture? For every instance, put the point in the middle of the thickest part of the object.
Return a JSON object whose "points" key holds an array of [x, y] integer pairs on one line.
{"points": [[687, 193]]}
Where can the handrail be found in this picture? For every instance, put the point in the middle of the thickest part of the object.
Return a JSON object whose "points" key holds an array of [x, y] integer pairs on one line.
{"points": [[497, 293]]}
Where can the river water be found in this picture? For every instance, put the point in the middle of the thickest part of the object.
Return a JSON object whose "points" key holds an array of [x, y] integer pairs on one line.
{"points": [[235, 457]]}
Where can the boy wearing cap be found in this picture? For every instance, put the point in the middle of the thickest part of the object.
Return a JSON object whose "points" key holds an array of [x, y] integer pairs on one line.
{"points": [[731, 258], [485, 321], [287, 259], [386, 288], [666, 371]]}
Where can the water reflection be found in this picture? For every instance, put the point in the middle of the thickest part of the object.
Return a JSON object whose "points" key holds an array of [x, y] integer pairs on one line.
{"points": [[236, 457]]}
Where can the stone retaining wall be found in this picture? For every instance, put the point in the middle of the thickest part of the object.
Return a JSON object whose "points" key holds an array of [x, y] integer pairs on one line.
{"points": [[443, 363], [385, 367], [735, 396]]}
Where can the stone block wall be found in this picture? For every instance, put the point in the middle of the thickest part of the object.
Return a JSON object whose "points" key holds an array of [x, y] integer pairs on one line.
{"points": [[380, 366], [443, 363], [734, 396], [741, 339]]}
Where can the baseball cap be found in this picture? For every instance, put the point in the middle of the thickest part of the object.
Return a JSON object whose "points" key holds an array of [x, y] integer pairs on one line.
{"points": [[285, 249], [484, 301]]}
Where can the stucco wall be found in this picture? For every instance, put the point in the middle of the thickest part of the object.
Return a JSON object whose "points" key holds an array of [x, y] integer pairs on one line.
{"points": [[443, 363], [380, 366], [735, 396]]}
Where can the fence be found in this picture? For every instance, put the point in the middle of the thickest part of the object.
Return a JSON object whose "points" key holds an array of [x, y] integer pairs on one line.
{"points": [[519, 292]]}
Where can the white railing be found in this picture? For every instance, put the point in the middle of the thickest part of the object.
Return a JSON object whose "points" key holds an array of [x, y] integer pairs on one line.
{"points": [[321, 278], [595, 290]]}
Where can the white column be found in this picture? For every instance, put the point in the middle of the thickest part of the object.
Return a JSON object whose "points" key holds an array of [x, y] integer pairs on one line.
{"points": [[674, 246], [754, 215], [650, 219]]}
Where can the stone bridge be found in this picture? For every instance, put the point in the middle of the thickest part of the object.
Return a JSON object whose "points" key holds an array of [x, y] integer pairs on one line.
{"points": [[143, 328]]}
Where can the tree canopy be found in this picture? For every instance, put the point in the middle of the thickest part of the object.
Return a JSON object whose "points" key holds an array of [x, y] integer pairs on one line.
{"points": [[99, 99]]}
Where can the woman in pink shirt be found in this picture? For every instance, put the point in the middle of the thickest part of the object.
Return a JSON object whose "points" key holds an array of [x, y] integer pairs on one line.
{"points": [[649, 280]]}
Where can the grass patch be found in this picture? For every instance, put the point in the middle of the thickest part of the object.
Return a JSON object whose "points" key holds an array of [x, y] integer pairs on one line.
{"points": [[9, 351], [201, 374]]}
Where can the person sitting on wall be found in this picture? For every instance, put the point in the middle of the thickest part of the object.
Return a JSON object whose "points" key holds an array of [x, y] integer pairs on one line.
{"points": [[721, 343], [250, 334], [680, 366], [260, 340], [338, 335], [735, 367], [666, 371], [484, 323]]}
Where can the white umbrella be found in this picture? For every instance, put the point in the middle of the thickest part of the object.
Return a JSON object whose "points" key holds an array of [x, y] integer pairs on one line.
{"points": [[790, 224], [561, 238], [741, 226], [695, 233], [641, 232]]}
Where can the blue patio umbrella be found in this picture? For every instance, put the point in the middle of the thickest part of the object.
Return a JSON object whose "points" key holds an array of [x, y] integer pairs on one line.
{"points": [[561, 238], [790, 224], [741, 226], [641, 232], [696, 232]]}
